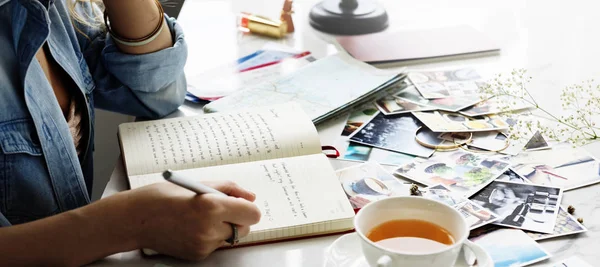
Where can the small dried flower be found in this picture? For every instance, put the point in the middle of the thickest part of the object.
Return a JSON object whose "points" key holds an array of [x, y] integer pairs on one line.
{"points": [[571, 209], [580, 220], [414, 190]]}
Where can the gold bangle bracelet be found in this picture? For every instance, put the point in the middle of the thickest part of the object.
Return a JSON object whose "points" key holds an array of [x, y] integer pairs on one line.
{"points": [[441, 147], [506, 145], [157, 30]]}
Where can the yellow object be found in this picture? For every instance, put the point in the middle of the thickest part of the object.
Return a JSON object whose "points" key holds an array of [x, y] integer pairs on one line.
{"points": [[265, 26]]}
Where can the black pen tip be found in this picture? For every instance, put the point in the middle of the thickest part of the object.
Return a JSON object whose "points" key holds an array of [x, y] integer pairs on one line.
{"points": [[167, 174]]}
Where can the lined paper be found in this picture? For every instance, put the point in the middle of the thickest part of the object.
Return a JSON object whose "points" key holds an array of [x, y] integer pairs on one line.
{"points": [[217, 139], [294, 199]]}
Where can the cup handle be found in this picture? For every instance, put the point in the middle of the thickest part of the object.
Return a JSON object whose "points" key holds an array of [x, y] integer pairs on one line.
{"points": [[468, 251], [384, 261]]}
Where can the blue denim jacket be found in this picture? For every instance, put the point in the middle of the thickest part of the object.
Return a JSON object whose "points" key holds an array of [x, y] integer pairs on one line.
{"points": [[40, 171]]}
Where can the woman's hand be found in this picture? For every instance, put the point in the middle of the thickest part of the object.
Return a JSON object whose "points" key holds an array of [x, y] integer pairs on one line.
{"points": [[177, 222]]}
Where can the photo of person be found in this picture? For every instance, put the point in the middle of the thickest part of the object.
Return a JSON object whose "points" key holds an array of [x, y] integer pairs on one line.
{"points": [[368, 182], [524, 206], [396, 133], [475, 215], [562, 166], [511, 248], [462, 172], [565, 225]]}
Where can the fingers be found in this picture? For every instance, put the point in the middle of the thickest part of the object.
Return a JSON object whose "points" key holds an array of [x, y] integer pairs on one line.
{"points": [[225, 231], [236, 210], [233, 189]]}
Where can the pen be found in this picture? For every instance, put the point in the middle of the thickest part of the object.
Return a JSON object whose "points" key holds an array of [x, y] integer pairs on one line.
{"points": [[189, 184], [199, 188]]}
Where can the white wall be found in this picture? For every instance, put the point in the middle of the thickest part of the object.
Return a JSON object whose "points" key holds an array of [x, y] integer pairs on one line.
{"points": [[107, 148]]}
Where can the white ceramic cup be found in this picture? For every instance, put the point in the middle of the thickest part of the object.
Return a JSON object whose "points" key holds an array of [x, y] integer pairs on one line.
{"points": [[419, 208]]}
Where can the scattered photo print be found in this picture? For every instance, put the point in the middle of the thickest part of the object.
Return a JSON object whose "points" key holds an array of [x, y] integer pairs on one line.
{"points": [[462, 172], [511, 248], [475, 215], [441, 122], [511, 176], [396, 133], [487, 141], [390, 105], [573, 262], [519, 205], [369, 182], [537, 142], [565, 225], [358, 117], [451, 104], [358, 152], [562, 166], [441, 84], [495, 105]]}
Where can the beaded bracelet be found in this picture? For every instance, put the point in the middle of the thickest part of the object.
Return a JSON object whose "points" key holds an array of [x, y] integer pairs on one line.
{"points": [[139, 41]]}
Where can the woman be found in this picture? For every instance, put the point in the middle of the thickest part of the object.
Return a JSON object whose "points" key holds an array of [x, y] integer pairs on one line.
{"points": [[58, 59]]}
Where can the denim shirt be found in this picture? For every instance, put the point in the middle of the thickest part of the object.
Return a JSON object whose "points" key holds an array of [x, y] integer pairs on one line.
{"points": [[41, 173]]}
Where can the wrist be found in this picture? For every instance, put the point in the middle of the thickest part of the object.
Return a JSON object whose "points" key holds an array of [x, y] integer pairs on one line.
{"points": [[114, 217]]}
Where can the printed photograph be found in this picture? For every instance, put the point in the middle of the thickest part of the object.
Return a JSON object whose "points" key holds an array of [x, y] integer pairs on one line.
{"points": [[488, 141], [495, 105], [537, 142], [440, 121], [511, 248], [462, 172], [475, 215], [396, 133], [524, 206], [368, 182], [441, 84], [358, 152], [573, 262], [358, 117], [511, 176], [390, 105], [451, 104], [562, 166], [565, 225]]}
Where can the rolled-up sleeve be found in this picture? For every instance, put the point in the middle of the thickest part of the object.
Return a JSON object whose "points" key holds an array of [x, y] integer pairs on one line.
{"points": [[3, 221], [148, 85]]}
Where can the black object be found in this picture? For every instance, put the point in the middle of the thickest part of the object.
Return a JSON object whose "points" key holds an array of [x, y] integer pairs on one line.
{"points": [[348, 17], [172, 7]]}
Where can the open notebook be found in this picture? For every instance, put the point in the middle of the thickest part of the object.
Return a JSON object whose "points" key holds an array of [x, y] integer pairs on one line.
{"points": [[324, 88], [272, 151]]}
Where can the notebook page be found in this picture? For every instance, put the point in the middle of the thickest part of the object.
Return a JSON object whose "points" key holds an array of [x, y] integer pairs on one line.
{"points": [[294, 199], [217, 139]]}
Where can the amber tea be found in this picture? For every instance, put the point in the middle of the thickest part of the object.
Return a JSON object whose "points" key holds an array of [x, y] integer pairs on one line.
{"points": [[415, 236]]}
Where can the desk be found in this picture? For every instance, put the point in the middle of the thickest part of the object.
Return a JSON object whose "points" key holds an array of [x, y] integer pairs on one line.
{"points": [[555, 40]]}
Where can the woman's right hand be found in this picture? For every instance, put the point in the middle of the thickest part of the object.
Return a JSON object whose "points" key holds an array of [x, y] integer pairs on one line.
{"points": [[177, 222]]}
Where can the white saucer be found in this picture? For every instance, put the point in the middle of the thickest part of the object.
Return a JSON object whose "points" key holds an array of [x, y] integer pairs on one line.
{"points": [[347, 252]]}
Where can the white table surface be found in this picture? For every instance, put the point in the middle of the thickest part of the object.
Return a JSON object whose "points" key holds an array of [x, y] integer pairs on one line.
{"points": [[558, 42]]}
